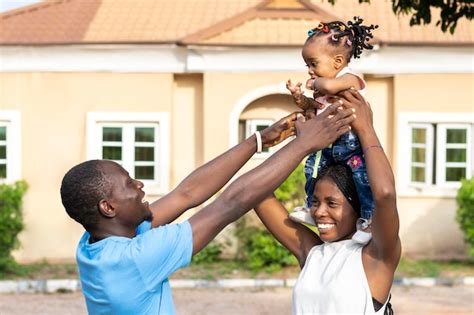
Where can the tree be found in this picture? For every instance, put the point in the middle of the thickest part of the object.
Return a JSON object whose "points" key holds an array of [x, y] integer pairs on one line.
{"points": [[420, 10]]}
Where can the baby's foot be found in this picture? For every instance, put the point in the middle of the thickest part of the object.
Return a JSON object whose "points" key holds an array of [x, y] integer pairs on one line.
{"points": [[364, 233], [301, 215]]}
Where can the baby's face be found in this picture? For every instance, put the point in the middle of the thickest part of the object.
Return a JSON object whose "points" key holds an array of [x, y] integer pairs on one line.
{"points": [[319, 59]]}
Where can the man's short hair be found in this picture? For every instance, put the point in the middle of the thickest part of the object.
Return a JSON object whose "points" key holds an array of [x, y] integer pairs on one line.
{"points": [[82, 188]]}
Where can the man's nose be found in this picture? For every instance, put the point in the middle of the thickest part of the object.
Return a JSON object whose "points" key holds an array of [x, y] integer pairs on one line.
{"points": [[140, 184]]}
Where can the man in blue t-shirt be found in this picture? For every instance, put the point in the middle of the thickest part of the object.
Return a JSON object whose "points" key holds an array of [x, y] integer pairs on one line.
{"points": [[130, 248]]}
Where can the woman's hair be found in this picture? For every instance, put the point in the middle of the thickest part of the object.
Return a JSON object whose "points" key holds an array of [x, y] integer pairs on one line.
{"points": [[353, 37], [341, 175]]}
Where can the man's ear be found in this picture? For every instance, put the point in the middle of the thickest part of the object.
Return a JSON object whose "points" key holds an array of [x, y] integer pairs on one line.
{"points": [[338, 61], [106, 209]]}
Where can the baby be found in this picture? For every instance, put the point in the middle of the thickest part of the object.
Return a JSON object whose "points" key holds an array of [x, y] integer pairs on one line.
{"points": [[327, 53]]}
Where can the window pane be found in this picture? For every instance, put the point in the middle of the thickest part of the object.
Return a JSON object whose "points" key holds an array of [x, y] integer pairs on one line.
{"points": [[3, 152], [3, 133], [455, 155], [144, 154], [261, 127], [418, 174], [3, 171], [454, 174], [112, 153], [418, 135], [112, 134], [144, 172], [418, 155], [456, 135], [145, 134]]}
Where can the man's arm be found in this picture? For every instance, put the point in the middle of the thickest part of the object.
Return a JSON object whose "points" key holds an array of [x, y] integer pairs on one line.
{"points": [[205, 181], [254, 186]]}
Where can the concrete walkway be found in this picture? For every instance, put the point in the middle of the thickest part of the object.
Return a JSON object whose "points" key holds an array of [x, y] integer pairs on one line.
{"points": [[406, 300]]}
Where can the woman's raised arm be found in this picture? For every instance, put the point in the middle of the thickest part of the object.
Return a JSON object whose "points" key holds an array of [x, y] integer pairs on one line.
{"points": [[385, 245], [297, 238]]}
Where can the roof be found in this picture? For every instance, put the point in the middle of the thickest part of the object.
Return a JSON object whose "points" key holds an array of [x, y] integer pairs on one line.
{"points": [[207, 22]]}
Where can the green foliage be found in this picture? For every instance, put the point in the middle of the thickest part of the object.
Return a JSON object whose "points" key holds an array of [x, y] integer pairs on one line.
{"points": [[449, 11], [259, 250], [419, 268], [465, 212], [11, 223], [291, 193], [208, 254]]}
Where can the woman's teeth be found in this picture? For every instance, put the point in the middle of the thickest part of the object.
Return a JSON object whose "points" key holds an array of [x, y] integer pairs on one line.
{"points": [[322, 226]]}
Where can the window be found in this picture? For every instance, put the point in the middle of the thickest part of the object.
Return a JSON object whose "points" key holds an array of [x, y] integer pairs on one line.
{"points": [[439, 151], [137, 141], [10, 146], [248, 128]]}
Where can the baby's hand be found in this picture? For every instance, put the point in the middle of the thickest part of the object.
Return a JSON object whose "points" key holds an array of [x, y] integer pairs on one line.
{"points": [[294, 89]]}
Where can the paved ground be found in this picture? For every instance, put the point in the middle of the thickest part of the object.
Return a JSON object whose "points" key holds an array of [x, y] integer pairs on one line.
{"points": [[406, 300]]}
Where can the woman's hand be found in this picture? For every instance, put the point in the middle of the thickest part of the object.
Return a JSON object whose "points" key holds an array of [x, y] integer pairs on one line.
{"points": [[279, 131], [352, 99]]}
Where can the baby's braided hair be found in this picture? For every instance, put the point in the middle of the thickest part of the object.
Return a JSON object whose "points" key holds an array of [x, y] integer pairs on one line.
{"points": [[357, 34]]}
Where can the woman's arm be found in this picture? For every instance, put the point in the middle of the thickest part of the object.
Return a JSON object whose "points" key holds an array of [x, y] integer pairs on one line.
{"points": [[385, 245], [205, 181], [296, 237]]}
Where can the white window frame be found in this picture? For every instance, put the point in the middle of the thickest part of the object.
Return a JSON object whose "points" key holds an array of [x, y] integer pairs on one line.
{"points": [[251, 128], [12, 120], [130, 120], [429, 147], [442, 146], [407, 121]]}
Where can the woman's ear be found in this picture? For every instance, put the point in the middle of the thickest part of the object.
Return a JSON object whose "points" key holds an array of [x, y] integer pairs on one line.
{"points": [[339, 61], [106, 209]]}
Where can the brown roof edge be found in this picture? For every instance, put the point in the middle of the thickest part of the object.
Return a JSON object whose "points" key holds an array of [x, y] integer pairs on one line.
{"points": [[320, 11], [222, 25], [91, 43], [259, 10], [30, 8]]}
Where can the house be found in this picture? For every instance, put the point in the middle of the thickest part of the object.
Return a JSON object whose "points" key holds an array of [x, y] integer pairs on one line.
{"points": [[164, 86]]}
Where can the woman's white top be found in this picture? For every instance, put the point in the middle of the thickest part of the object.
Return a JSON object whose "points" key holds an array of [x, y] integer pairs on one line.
{"points": [[333, 281]]}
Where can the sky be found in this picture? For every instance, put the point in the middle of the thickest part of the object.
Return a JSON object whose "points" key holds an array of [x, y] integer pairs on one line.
{"points": [[6, 5]]}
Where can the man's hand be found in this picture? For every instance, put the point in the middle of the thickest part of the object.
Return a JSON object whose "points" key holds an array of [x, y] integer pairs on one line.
{"points": [[320, 131], [279, 131]]}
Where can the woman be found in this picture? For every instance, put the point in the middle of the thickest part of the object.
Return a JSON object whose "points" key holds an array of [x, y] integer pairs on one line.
{"points": [[340, 276]]}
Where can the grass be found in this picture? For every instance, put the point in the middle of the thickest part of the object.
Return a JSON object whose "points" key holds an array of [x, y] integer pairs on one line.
{"points": [[429, 268], [227, 269]]}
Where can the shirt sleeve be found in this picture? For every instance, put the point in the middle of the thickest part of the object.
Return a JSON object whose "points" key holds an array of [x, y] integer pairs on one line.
{"points": [[161, 251]]}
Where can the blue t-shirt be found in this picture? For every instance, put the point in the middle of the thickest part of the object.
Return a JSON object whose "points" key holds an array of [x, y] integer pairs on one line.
{"points": [[121, 275]]}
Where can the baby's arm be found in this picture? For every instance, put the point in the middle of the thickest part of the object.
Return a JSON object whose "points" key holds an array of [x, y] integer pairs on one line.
{"points": [[299, 98], [332, 86]]}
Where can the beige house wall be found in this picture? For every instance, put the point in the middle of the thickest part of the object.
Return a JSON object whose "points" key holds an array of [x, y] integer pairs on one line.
{"points": [[428, 227], [53, 116], [54, 107]]}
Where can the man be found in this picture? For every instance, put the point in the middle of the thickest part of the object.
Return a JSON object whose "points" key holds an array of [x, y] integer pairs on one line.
{"points": [[125, 261]]}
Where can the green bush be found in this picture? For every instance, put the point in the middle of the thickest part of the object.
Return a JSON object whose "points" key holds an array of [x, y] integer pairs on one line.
{"points": [[291, 193], [465, 212], [11, 223], [259, 250], [208, 254]]}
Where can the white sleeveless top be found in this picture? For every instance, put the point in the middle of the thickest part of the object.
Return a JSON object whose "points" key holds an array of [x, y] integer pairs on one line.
{"points": [[333, 281], [324, 99]]}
